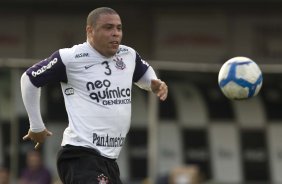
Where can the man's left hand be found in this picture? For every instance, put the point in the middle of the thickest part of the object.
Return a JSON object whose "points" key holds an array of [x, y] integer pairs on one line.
{"points": [[160, 88]]}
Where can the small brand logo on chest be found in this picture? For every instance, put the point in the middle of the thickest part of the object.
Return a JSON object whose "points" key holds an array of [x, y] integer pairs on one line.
{"points": [[80, 55], [88, 66]]}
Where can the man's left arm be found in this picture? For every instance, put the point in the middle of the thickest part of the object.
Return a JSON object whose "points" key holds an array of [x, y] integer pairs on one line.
{"points": [[146, 78]]}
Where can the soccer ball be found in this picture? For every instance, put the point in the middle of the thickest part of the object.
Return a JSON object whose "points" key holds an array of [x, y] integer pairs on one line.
{"points": [[240, 78]]}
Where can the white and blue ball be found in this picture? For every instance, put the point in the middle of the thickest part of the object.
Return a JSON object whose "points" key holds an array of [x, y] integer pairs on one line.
{"points": [[240, 78]]}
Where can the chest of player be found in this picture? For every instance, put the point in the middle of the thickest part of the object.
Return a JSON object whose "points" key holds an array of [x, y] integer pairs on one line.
{"points": [[100, 73]]}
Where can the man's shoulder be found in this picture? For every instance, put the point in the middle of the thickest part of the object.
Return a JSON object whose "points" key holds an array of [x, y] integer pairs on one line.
{"points": [[123, 49], [74, 52], [74, 49]]}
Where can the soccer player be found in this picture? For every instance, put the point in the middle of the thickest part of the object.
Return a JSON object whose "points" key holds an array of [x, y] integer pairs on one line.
{"points": [[96, 79]]}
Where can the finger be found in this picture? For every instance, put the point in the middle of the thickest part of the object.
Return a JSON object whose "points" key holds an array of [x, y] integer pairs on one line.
{"points": [[37, 146], [49, 133], [163, 85], [163, 97], [163, 90], [162, 94], [26, 137]]}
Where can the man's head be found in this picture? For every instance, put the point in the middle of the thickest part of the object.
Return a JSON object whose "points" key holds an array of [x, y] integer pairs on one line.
{"points": [[104, 30]]}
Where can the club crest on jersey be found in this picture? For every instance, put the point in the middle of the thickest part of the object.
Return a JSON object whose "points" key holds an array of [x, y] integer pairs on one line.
{"points": [[102, 179], [119, 63]]}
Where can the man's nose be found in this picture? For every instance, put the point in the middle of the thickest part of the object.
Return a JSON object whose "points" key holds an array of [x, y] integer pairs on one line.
{"points": [[116, 32]]}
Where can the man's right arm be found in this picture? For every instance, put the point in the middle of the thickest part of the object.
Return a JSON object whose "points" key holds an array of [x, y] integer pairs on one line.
{"points": [[49, 70], [31, 100]]}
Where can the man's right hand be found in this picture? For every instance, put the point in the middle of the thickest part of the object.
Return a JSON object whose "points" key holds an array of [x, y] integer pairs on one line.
{"points": [[38, 137]]}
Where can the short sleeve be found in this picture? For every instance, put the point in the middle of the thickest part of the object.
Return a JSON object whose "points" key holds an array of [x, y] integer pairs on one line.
{"points": [[49, 70], [140, 68]]}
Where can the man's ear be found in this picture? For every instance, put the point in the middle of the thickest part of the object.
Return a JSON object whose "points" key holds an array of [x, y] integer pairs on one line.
{"points": [[89, 29]]}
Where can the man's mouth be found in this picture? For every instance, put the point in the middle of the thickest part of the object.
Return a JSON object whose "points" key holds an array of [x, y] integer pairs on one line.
{"points": [[114, 43]]}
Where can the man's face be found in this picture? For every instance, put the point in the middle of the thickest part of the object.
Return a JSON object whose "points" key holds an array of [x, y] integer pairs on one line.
{"points": [[106, 36]]}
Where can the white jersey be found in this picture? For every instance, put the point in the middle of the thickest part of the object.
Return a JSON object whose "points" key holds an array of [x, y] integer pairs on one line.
{"points": [[97, 93]]}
